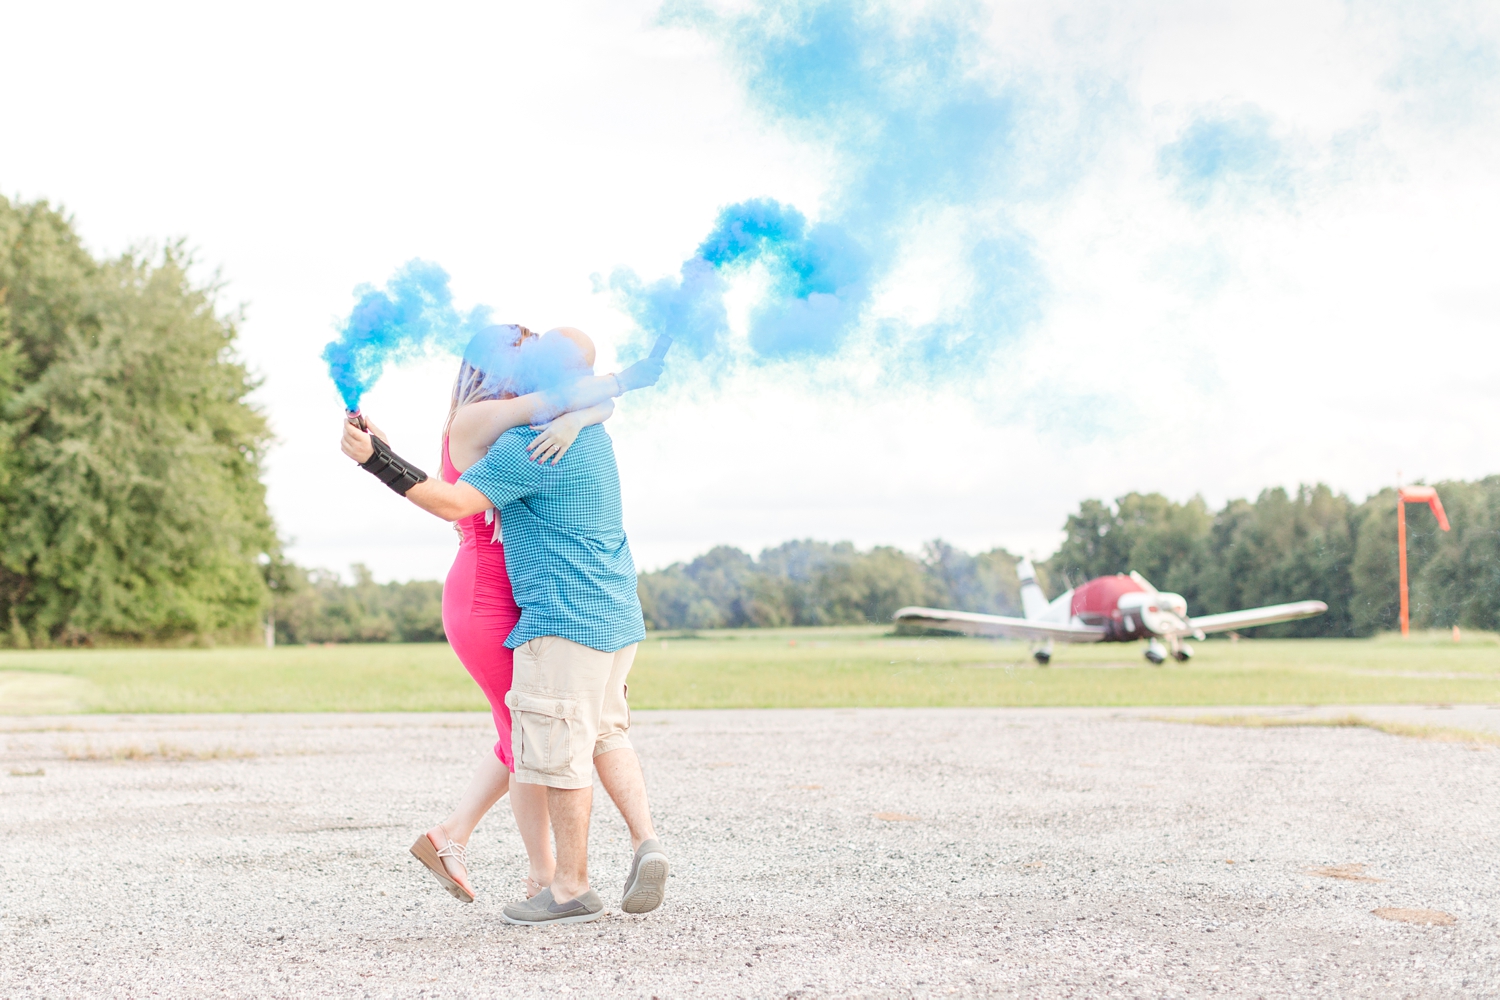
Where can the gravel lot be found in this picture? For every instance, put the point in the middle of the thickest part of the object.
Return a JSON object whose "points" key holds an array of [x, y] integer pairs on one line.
{"points": [[881, 853]]}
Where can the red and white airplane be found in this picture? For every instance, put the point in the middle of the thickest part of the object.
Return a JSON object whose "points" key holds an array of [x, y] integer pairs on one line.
{"points": [[1108, 609]]}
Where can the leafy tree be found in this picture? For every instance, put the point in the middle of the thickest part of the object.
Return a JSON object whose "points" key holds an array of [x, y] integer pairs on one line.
{"points": [[1283, 548], [1164, 541], [986, 583], [131, 489]]}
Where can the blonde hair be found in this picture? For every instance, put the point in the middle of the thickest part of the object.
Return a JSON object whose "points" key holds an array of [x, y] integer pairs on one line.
{"points": [[473, 385]]}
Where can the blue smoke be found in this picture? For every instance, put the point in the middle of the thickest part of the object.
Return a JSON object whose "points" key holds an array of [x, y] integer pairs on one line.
{"points": [[819, 283], [1226, 154], [920, 129], [414, 315]]}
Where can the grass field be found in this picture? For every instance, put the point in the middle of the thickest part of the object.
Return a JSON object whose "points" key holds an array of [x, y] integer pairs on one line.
{"points": [[843, 667]]}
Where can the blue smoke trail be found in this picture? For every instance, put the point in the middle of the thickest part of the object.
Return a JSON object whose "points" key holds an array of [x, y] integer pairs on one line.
{"points": [[414, 315], [820, 282], [921, 130]]}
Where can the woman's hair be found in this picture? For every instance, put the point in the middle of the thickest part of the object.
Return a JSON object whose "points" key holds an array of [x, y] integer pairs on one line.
{"points": [[473, 385]]}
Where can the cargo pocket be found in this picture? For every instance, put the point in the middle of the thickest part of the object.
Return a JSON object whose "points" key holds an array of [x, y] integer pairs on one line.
{"points": [[544, 732]]}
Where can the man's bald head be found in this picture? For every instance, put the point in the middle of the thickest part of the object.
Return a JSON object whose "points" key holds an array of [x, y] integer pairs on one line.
{"points": [[579, 339]]}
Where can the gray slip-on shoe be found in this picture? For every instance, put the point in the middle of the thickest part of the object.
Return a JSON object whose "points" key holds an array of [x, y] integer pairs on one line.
{"points": [[540, 909], [647, 885]]}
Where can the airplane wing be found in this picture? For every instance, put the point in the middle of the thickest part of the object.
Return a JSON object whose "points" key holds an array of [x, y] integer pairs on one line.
{"points": [[1258, 616], [996, 625]]}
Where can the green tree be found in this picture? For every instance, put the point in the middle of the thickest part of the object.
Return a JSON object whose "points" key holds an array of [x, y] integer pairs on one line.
{"points": [[1285, 548], [1164, 541], [131, 484], [872, 587]]}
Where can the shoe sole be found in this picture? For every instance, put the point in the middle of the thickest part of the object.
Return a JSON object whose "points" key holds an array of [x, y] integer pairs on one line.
{"points": [[650, 886], [424, 852], [581, 918]]}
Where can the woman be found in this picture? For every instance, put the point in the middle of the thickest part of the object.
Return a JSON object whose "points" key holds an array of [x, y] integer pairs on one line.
{"points": [[479, 610]]}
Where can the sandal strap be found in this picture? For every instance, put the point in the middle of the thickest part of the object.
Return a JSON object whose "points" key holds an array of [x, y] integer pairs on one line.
{"points": [[456, 851]]}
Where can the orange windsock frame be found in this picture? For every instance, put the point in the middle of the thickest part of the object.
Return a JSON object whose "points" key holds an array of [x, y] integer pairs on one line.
{"points": [[1404, 496]]}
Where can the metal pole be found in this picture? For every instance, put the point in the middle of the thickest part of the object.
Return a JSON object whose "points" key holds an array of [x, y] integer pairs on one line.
{"points": [[1401, 557]]}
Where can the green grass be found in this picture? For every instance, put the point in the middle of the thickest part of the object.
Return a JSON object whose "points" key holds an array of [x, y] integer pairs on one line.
{"points": [[770, 668]]}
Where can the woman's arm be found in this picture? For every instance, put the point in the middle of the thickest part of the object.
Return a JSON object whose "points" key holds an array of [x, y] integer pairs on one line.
{"points": [[555, 438], [449, 501], [479, 425], [476, 426]]}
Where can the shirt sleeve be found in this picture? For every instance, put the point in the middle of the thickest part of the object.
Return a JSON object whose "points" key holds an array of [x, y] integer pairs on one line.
{"points": [[506, 472]]}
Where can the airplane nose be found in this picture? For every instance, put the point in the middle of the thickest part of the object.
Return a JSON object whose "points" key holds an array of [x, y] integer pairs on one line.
{"points": [[1163, 622]]}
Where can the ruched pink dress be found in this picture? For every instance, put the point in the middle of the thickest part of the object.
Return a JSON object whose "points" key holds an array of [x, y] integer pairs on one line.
{"points": [[479, 612]]}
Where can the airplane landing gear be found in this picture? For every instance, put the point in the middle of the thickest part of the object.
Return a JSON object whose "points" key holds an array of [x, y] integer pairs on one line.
{"points": [[1156, 653], [1043, 654], [1182, 653]]}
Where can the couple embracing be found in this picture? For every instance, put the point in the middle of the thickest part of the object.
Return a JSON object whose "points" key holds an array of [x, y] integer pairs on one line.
{"points": [[541, 608]]}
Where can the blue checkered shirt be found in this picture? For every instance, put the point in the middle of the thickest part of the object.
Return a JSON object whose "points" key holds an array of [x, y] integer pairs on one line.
{"points": [[565, 547]]}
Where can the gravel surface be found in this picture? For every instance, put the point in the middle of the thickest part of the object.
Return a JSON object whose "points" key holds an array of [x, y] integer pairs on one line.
{"points": [[881, 853]]}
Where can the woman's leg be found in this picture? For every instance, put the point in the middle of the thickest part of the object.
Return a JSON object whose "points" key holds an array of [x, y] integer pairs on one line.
{"points": [[529, 803], [478, 614], [487, 787]]}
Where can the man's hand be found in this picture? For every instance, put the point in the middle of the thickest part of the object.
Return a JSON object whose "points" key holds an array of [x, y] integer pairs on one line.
{"points": [[356, 443], [641, 374]]}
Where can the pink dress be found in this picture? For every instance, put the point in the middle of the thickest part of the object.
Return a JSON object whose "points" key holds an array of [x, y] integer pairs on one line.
{"points": [[479, 612]]}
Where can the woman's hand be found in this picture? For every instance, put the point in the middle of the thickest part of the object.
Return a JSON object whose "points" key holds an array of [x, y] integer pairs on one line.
{"points": [[356, 443], [555, 438]]}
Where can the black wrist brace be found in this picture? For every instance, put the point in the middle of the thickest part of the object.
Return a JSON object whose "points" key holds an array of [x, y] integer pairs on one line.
{"points": [[391, 469]]}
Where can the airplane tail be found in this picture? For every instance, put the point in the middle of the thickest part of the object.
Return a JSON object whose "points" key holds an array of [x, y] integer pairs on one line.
{"points": [[1033, 601]]}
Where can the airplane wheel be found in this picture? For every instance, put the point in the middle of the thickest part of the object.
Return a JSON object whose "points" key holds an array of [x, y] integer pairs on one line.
{"points": [[1043, 658], [1182, 655]]}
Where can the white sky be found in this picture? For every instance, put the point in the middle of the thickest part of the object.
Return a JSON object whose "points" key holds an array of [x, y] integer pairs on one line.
{"points": [[303, 149]]}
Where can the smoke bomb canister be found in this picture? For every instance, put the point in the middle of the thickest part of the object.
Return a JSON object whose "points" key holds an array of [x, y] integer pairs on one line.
{"points": [[659, 349], [357, 418]]}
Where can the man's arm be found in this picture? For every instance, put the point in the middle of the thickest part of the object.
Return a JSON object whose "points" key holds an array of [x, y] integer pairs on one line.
{"points": [[449, 501]]}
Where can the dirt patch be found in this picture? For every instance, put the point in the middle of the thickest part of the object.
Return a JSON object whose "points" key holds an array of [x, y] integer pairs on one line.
{"points": [[897, 817], [1441, 734], [1406, 915], [161, 752], [1349, 873]]}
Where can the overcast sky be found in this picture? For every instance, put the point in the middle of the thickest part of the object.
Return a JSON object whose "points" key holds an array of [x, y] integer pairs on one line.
{"points": [[1241, 244]]}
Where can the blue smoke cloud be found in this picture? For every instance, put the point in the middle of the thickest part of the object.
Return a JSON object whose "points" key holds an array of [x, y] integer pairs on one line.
{"points": [[819, 284], [920, 129], [1228, 154], [414, 315]]}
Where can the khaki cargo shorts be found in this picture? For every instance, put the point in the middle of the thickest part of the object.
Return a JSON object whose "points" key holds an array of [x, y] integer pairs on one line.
{"points": [[567, 706]]}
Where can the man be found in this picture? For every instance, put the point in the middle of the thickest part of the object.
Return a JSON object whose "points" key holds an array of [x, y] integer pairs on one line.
{"points": [[574, 579]]}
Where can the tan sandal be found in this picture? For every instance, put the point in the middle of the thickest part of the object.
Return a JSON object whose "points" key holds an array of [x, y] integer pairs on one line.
{"points": [[531, 886], [426, 851]]}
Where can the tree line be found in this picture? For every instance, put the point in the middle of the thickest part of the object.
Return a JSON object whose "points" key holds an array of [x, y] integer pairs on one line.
{"points": [[1312, 544], [133, 508]]}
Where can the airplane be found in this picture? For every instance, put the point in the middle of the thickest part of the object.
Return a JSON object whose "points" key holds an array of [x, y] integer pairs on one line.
{"points": [[1116, 608]]}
